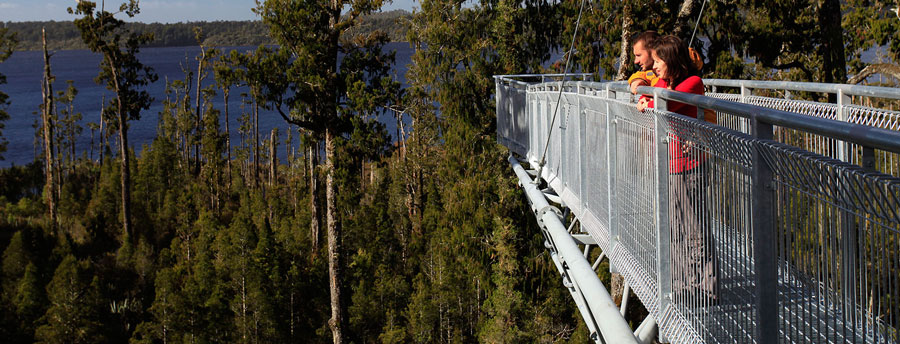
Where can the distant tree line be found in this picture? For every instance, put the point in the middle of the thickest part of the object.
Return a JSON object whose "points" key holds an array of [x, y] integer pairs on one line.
{"points": [[62, 35]]}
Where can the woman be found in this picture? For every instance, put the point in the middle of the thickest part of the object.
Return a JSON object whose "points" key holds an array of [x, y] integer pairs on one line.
{"points": [[694, 263]]}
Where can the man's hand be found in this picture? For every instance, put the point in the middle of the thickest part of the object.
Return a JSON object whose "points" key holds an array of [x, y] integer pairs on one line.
{"points": [[643, 103], [638, 83]]}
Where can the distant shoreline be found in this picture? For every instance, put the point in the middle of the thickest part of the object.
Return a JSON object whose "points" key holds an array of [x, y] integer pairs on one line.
{"points": [[62, 35]]}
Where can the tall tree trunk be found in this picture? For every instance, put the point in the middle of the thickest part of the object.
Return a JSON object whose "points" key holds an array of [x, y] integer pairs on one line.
{"points": [[334, 244], [91, 157], [256, 143], [687, 16], [832, 49], [72, 137], [50, 187], [102, 132], [273, 159], [288, 145], [312, 152], [227, 135], [627, 22], [126, 173], [123, 152], [199, 114]]}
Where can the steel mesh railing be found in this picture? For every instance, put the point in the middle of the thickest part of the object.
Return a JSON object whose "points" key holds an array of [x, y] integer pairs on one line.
{"points": [[685, 241], [884, 161]]}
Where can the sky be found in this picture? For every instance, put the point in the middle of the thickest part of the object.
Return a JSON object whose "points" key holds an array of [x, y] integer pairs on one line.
{"points": [[162, 11]]}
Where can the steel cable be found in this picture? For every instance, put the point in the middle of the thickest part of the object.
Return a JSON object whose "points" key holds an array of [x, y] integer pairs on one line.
{"points": [[559, 97]]}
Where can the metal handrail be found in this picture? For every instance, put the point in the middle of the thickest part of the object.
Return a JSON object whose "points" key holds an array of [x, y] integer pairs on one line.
{"points": [[854, 90], [868, 136], [864, 135], [542, 75]]}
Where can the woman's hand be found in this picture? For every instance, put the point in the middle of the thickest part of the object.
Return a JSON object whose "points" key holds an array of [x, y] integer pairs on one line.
{"points": [[643, 103]]}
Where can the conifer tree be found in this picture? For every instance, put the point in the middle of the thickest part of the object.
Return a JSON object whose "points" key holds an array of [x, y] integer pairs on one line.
{"points": [[74, 312], [30, 300], [311, 31], [123, 73]]}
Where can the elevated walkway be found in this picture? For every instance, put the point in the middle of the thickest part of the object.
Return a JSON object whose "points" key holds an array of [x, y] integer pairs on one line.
{"points": [[789, 231]]}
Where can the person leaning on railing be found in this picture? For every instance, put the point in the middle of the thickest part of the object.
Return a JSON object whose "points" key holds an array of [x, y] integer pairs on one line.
{"points": [[645, 76], [694, 262]]}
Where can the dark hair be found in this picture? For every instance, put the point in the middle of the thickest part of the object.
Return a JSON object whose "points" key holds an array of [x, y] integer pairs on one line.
{"points": [[674, 53], [644, 37]]}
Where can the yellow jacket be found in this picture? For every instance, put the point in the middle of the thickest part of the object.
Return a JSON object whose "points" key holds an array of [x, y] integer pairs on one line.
{"points": [[647, 75]]}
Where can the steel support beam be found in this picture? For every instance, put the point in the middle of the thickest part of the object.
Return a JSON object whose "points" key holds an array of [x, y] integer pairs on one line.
{"points": [[600, 307]]}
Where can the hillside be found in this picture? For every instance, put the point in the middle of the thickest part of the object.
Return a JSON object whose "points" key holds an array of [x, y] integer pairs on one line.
{"points": [[62, 35]]}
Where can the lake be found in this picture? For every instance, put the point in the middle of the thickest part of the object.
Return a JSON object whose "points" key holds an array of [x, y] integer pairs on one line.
{"points": [[24, 71]]}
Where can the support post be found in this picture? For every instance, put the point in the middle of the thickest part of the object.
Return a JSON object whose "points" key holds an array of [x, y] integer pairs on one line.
{"points": [[843, 115], [745, 92], [611, 166], [765, 254], [663, 235], [868, 159]]}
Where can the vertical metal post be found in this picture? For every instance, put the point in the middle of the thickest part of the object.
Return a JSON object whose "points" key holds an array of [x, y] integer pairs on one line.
{"points": [[582, 173], [659, 103], [843, 115], [663, 235], [868, 159], [745, 92], [850, 249], [562, 169], [533, 129], [499, 108], [765, 254], [611, 163]]}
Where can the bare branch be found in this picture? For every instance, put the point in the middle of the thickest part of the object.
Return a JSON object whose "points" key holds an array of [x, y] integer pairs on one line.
{"points": [[877, 68]]}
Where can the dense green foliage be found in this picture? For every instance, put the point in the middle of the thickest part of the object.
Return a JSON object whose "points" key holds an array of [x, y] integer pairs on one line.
{"points": [[436, 243], [809, 40], [64, 35]]}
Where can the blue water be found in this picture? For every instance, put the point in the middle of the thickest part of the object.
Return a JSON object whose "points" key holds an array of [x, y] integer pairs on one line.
{"points": [[24, 70]]}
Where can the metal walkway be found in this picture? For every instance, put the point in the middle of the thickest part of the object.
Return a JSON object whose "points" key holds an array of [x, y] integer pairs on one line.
{"points": [[787, 230]]}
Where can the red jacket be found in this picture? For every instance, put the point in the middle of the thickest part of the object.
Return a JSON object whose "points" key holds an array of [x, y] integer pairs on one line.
{"points": [[683, 156]]}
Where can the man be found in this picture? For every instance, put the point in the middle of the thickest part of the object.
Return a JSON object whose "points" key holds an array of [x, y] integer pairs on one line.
{"points": [[642, 58]]}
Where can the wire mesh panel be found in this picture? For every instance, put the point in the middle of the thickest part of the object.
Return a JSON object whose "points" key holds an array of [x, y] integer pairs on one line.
{"points": [[728, 120], [595, 157], [709, 224], [570, 150], [839, 249], [518, 119], [885, 162], [635, 184]]}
